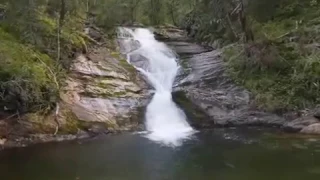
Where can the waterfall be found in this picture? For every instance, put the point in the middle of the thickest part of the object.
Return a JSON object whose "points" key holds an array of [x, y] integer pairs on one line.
{"points": [[165, 122]]}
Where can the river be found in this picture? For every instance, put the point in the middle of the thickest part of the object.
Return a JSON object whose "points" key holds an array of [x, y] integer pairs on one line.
{"points": [[169, 149], [220, 154]]}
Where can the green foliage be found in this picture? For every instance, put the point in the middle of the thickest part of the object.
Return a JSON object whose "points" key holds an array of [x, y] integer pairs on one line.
{"points": [[35, 44], [33, 24], [25, 80], [282, 68], [108, 14], [280, 65]]}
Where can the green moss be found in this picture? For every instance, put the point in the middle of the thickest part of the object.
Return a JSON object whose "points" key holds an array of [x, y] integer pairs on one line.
{"points": [[128, 67], [30, 71], [105, 94], [40, 123], [124, 63], [71, 125], [26, 73], [102, 125]]}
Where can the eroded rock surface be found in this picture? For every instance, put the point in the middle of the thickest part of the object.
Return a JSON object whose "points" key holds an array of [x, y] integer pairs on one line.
{"points": [[101, 94], [205, 83], [210, 98], [298, 124], [104, 89], [311, 129]]}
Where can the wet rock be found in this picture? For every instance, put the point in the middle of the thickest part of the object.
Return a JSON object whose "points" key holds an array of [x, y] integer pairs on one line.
{"points": [[139, 61], [95, 33], [97, 129], [206, 85], [317, 114], [196, 116], [187, 48], [43, 138], [167, 33], [252, 118], [300, 123], [311, 129], [2, 141]]}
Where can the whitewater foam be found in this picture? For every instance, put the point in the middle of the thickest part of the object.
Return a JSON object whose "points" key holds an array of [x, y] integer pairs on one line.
{"points": [[165, 121]]}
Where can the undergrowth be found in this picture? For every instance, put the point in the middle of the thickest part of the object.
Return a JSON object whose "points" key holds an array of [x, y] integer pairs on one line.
{"points": [[25, 78], [282, 67], [32, 67]]}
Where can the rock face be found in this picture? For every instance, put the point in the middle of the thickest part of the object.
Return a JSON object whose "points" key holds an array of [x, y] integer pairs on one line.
{"points": [[101, 94], [104, 89], [205, 84], [311, 129], [300, 123], [316, 114], [210, 98]]}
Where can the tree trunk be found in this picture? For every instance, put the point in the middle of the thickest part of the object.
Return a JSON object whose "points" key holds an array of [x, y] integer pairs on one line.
{"points": [[235, 36], [244, 26], [62, 12], [61, 18], [172, 12]]}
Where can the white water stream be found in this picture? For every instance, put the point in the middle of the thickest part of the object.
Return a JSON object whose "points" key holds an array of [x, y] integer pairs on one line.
{"points": [[165, 122]]}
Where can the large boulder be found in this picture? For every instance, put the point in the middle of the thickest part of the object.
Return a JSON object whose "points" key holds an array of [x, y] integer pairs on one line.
{"points": [[300, 123], [311, 129], [104, 89], [205, 83], [317, 113]]}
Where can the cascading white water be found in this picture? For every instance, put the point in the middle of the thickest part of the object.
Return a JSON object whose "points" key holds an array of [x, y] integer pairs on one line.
{"points": [[164, 120]]}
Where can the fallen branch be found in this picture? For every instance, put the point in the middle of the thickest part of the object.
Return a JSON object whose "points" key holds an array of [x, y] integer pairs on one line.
{"points": [[283, 35], [9, 117], [51, 72], [89, 39]]}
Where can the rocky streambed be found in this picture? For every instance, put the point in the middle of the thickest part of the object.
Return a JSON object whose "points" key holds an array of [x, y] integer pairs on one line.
{"points": [[211, 98], [104, 94]]}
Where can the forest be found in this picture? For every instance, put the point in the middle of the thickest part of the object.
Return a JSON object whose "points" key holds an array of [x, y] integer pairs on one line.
{"points": [[270, 47], [159, 89]]}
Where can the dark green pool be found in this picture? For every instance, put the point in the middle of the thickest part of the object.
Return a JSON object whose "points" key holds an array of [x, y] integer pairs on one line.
{"points": [[222, 154]]}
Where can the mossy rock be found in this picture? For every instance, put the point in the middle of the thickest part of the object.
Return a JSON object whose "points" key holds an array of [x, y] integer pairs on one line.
{"points": [[40, 123]]}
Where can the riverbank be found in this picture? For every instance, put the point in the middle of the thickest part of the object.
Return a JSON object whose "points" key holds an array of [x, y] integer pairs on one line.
{"points": [[103, 94], [100, 93], [207, 92], [273, 55]]}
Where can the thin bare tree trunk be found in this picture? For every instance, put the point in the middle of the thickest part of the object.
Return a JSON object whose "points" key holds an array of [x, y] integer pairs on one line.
{"points": [[87, 6], [62, 12], [244, 25], [231, 27], [172, 12], [58, 40]]}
